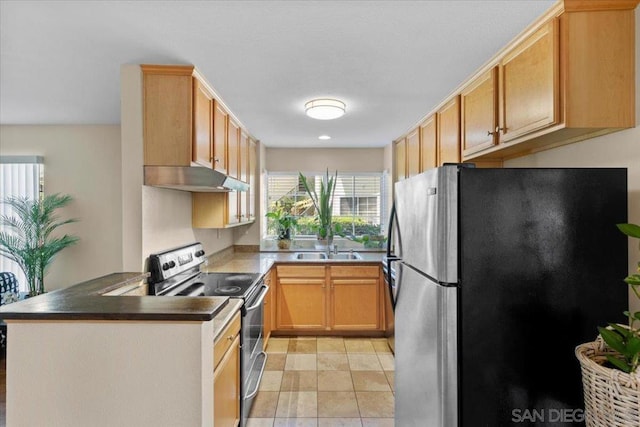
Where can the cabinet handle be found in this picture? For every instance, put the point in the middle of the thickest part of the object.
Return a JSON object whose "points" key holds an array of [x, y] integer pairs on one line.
{"points": [[217, 160], [230, 337], [499, 129], [489, 133]]}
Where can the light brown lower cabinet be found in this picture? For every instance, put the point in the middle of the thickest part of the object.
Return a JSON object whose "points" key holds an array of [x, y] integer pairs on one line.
{"points": [[226, 376], [328, 298]]}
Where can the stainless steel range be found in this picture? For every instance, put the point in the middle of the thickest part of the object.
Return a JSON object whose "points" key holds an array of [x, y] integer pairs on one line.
{"points": [[177, 272]]}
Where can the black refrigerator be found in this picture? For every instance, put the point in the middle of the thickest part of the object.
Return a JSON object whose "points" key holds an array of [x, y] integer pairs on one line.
{"points": [[500, 274]]}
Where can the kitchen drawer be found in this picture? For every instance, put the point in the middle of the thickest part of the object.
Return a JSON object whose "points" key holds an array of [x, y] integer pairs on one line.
{"points": [[300, 271], [355, 271], [224, 341]]}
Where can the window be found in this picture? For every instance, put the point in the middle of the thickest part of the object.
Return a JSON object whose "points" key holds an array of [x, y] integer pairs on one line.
{"points": [[358, 204], [20, 176]]}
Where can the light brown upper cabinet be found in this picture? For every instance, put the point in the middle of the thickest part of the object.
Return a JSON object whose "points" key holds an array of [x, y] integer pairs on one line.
{"points": [[449, 132], [413, 153], [243, 159], [517, 97], [529, 79], [480, 112], [567, 77], [175, 116], [233, 148], [253, 177], [202, 125], [428, 144], [400, 156], [220, 118]]}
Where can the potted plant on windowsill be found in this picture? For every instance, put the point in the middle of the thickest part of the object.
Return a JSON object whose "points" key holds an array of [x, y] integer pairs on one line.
{"points": [[28, 240], [323, 204], [284, 223], [610, 374]]}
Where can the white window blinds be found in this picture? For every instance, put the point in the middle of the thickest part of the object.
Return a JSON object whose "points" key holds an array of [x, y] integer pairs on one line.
{"points": [[20, 176], [359, 201]]}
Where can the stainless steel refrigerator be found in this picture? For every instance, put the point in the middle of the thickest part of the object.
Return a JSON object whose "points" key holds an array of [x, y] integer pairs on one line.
{"points": [[500, 274]]}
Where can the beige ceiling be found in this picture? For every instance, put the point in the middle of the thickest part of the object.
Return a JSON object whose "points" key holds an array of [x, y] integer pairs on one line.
{"points": [[390, 61]]}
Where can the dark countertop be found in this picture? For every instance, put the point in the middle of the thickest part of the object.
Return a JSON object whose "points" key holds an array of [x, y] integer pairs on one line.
{"points": [[84, 301]]}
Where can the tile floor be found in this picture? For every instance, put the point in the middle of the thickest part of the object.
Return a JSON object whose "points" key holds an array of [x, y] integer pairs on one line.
{"points": [[325, 382]]}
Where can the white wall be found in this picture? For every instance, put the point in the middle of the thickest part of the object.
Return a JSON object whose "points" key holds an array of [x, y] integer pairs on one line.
{"points": [[319, 159], [83, 161]]}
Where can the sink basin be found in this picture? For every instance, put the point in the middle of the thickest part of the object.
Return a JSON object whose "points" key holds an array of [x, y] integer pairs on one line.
{"points": [[345, 255], [321, 255], [310, 255]]}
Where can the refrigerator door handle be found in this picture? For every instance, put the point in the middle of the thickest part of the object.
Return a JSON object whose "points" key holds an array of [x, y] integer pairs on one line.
{"points": [[390, 282], [392, 222]]}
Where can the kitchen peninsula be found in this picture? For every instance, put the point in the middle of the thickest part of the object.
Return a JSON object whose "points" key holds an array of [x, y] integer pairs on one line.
{"points": [[77, 357]]}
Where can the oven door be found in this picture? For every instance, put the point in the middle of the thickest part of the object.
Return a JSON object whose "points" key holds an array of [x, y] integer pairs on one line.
{"points": [[253, 357]]}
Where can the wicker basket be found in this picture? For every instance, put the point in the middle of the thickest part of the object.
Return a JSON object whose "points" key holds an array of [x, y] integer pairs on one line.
{"points": [[611, 397]]}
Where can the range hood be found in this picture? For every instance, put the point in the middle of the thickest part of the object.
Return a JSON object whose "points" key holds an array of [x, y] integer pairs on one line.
{"points": [[191, 178]]}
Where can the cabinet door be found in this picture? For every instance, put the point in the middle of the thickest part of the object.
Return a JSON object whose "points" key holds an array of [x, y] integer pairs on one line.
{"points": [[401, 159], [355, 304], [301, 303], [413, 153], [251, 194], [233, 207], [529, 84], [428, 144], [449, 132], [209, 210], [167, 105], [226, 388], [479, 113], [202, 125], [233, 148], [243, 158], [219, 138]]}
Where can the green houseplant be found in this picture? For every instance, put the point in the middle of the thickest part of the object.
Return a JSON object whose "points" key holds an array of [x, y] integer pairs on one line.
{"points": [[609, 365], [284, 223], [323, 204], [28, 240], [626, 340]]}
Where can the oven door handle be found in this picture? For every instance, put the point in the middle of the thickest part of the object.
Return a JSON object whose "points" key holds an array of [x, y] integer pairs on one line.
{"points": [[258, 303], [255, 390]]}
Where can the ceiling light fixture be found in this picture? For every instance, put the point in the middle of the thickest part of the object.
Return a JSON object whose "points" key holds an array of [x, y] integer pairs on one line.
{"points": [[324, 109], [324, 137]]}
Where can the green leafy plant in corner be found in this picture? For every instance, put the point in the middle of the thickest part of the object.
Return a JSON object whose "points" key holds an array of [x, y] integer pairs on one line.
{"points": [[283, 220], [626, 340], [323, 204], [28, 238]]}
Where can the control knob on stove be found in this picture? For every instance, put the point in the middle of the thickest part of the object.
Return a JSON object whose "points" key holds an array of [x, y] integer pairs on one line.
{"points": [[200, 253], [167, 265]]}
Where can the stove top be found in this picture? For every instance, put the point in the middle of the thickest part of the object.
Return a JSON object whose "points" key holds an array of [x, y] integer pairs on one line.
{"points": [[222, 284], [176, 272]]}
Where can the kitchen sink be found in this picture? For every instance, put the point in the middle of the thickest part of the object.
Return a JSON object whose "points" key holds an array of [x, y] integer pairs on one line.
{"points": [[322, 255], [345, 255], [310, 255]]}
